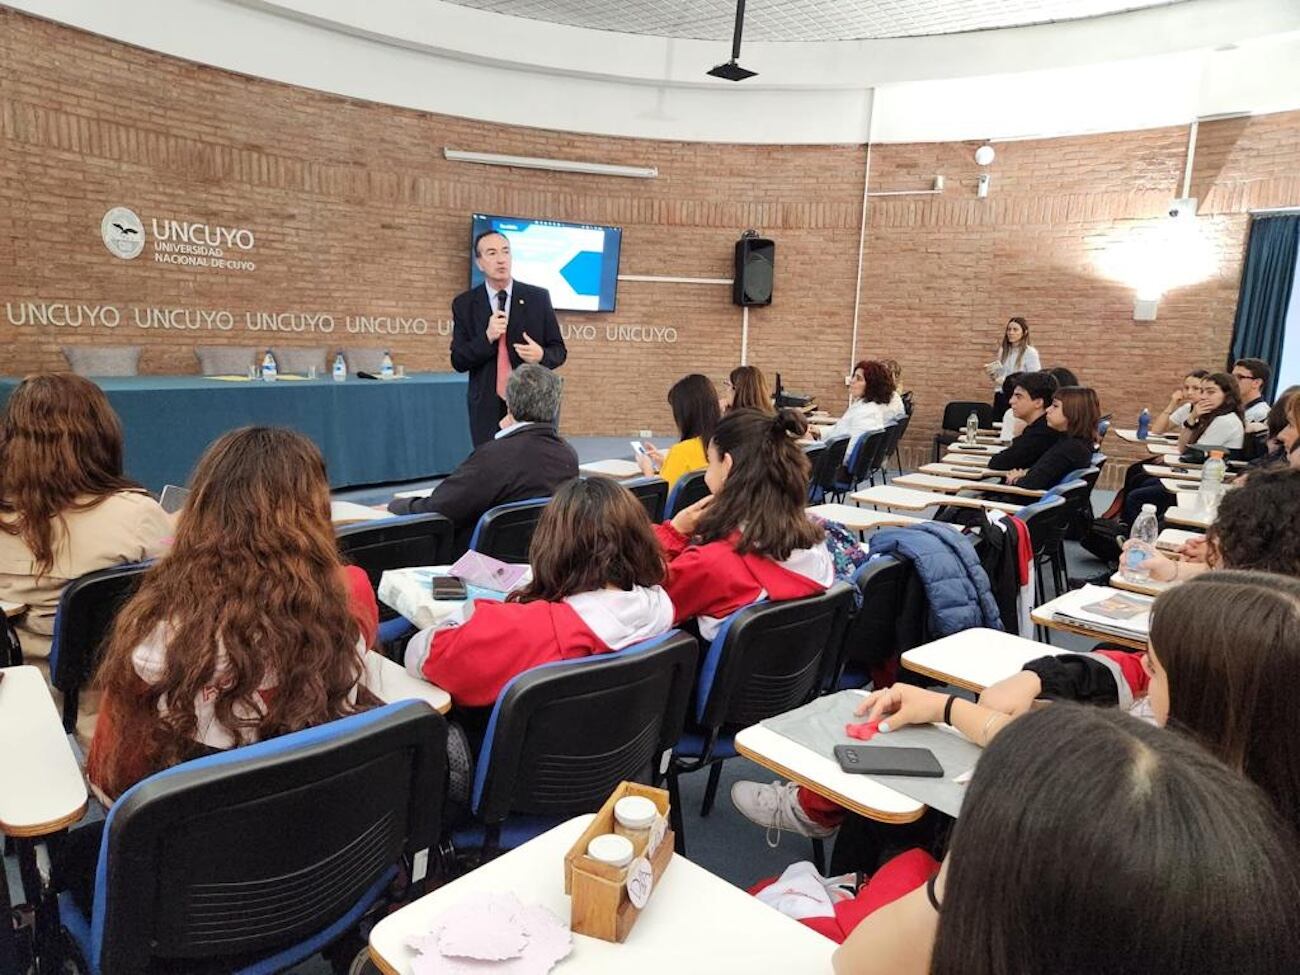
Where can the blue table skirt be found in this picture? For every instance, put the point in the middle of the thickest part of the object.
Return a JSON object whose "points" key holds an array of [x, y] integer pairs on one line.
{"points": [[370, 431]]}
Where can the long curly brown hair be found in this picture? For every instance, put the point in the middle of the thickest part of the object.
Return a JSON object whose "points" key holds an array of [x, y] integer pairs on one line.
{"points": [[251, 594], [60, 450]]}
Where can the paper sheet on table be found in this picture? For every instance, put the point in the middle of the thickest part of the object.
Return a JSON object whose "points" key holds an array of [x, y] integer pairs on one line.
{"points": [[492, 932], [820, 727], [229, 379]]}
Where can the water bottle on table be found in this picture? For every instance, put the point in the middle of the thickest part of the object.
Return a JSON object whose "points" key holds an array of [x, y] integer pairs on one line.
{"points": [[269, 371], [1144, 423], [1141, 546], [386, 366], [1207, 498], [972, 428], [340, 368]]}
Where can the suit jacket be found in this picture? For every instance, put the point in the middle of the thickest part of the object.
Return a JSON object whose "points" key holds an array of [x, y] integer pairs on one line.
{"points": [[530, 463], [1033, 442], [471, 352]]}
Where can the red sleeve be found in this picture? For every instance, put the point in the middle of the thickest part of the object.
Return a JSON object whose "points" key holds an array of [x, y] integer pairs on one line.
{"points": [[671, 540], [361, 600], [704, 581], [1130, 665], [474, 661]]}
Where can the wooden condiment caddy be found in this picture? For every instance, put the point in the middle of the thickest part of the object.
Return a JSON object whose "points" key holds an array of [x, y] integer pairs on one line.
{"points": [[601, 906]]}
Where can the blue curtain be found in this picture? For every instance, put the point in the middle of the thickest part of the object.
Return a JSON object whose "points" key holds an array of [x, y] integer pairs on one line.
{"points": [[1260, 325]]}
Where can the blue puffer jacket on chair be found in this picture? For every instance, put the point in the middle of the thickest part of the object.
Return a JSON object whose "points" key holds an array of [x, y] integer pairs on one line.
{"points": [[956, 585]]}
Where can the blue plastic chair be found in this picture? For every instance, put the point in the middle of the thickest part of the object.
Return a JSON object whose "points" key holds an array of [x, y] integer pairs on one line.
{"points": [[688, 489], [506, 531]]}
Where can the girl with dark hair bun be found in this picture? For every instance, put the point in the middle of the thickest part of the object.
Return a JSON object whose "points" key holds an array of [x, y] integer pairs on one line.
{"points": [[1091, 842], [752, 535], [694, 402], [596, 587]]}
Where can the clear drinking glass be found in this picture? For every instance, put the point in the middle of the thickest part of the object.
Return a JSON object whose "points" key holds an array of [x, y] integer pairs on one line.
{"points": [[401, 372], [311, 372], [252, 372]]}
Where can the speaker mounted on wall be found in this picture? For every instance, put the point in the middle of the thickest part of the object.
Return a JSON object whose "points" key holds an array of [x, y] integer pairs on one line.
{"points": [[755, 267]]}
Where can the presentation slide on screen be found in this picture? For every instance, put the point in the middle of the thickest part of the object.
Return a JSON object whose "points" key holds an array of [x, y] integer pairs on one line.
{"points": [[576, 263]]}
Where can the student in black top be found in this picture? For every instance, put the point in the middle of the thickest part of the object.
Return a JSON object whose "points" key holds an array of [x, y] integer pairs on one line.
{"points": [[1073, 415], [1029, 402], [526, 459]]}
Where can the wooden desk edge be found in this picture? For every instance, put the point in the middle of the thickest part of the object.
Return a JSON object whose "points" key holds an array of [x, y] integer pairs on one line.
{"points": [[379, 960], [45, 829], [872, 814], [946, 678]]}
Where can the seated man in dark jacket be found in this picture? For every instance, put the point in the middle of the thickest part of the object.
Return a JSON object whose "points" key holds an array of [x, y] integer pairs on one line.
{"points": [[528, 459], [1029, 401]]}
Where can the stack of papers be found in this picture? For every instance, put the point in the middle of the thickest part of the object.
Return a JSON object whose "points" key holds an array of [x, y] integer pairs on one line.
{"points": [[1106, 610]]}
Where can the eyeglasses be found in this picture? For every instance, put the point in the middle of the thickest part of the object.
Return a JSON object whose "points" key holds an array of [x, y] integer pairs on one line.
{"points": [[1237, 375]]}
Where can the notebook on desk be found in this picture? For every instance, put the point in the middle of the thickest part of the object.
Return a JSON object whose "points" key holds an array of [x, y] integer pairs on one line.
{"points": [[1106, 610]]}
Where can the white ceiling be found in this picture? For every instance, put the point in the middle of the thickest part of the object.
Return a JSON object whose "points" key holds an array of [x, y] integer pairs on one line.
{"points": [[804, 20]]}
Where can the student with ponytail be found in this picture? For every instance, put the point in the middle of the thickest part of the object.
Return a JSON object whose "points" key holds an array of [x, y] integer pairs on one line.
{"points": [[752, 536]]}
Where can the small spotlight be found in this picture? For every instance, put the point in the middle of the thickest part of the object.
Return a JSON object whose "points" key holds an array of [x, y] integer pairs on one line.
{"points": [[731, 71]]}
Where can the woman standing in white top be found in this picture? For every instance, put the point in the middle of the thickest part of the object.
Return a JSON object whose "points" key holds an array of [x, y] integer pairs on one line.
{"points": [[871, 393], [1015, 354]]}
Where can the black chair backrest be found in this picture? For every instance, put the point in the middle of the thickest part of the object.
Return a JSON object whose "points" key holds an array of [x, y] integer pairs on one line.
{"points": [[867, 454], [909, 402], [956, 413], [255, 850], [894, 434], [770, 658], [397, 543], [871, 636], [506, 531], [563, 735], [87, 607], [1046, 521], [688, 489], [651, 492], [825, 463]]}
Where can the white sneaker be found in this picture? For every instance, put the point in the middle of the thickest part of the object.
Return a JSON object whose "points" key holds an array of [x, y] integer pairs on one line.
{"points": [[776, 807]]}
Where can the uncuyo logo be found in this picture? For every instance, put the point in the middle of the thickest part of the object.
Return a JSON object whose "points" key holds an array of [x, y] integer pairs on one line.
{"points": [[123, 233]]}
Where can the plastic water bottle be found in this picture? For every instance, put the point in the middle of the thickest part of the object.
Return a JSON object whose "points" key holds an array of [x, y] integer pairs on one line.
{"points": [[1142, 545], [1207, 498], [386, 367], [269, 371], [1144, 423], [972, 428], [340, 368]]}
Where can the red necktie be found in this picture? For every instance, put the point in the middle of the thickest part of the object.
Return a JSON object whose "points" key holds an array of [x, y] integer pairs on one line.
{"points": [[503, 351]]}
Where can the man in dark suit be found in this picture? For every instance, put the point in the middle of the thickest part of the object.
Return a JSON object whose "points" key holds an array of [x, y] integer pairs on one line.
{"points": [[526, 459], [1029, 401], [496, 327]]}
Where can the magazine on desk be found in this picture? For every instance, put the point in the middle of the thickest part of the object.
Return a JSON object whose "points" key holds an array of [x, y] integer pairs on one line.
{"points": [[1106, 610]]}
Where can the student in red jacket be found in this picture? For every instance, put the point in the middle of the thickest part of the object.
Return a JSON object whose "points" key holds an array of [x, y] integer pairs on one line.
{"points": [[596, 588], [752, 537], [250, 627]]}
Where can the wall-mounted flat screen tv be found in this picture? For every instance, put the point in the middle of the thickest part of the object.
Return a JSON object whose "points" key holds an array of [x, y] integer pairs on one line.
{"points": [[576, 262]]}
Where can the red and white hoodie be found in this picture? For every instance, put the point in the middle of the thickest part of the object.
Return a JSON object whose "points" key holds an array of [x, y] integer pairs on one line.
{"points": [[709, 582], [476, 651]]}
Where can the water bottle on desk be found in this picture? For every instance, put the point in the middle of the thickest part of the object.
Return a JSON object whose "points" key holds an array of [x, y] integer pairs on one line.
{"points": [[1207, 498], [386, 366], [972, 428], [1144, 423], [340, 368], [269, 371], [1141, 546]]}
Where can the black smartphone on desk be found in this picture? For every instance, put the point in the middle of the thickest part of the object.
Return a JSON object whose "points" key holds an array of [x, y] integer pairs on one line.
{"points": [[881, 760], [448, 587]]}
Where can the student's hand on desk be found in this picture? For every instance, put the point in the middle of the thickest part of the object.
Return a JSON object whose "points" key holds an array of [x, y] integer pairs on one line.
{"points": [[901, 705], [1161, 568], [1194, 550], [688, 519], [528, 350], [1015, 695], [1015, 475]]}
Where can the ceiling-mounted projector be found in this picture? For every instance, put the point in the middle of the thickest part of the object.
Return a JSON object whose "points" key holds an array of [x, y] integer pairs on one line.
{"points": [[731, 71]]}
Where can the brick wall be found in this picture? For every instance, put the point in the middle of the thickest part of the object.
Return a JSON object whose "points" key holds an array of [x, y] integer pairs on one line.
{"points": [[356, 213]]}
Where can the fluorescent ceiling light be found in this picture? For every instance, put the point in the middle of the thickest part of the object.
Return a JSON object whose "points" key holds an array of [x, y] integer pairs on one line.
{"points": [[555, 165]]}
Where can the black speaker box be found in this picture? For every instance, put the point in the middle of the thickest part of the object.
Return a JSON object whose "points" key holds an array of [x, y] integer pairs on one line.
{"points": [[755, 267]]}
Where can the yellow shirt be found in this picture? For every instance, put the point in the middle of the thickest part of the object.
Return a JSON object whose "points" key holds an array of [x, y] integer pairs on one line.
{"points": [[682, 458]]}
